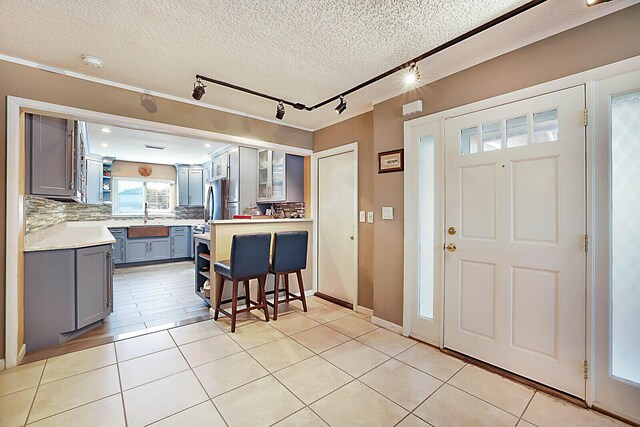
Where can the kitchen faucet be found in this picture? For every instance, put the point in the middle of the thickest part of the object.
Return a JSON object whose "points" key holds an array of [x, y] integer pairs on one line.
{"points": [[146, 213]]}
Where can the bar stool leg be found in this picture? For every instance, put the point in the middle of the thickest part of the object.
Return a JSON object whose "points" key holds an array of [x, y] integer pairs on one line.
{"points": [[247, 293], [261, 285], [286, 286], [301, 286], [276, 292], [219, 286], [234, 306]]}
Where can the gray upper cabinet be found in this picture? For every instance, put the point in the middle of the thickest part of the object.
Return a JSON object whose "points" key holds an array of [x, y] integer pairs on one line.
{"points": [[94, 181], [183, 187], [50, 144], [280, 177], [219, 166], [196, 187], [93, 284], [190, 185]]}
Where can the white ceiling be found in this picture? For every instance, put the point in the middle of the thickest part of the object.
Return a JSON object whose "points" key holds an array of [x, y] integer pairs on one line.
{"points": [[305, 51], [128, 144]]}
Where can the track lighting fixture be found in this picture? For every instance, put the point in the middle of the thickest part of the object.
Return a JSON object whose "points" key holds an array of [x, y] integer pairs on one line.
{"points": [[410, 67], [341, 106], [413, 74], [198, 90], [280, 111], [595, 2]]}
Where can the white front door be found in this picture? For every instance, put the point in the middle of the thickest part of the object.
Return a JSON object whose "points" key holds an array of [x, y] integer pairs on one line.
{"points": [[617, 254], [515, 237], [336, 193]]}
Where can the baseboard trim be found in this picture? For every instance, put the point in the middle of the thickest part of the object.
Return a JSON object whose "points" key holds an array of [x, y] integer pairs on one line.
{"points": [[386, 325], [334, 300], [364, 310], [22, 353], [2, 365]]}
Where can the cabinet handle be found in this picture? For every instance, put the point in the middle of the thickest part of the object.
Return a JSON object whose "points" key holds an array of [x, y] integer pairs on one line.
{"points": [[109, 280]]}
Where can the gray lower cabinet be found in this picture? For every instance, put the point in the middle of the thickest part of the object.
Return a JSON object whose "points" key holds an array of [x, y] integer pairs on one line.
{"points": [[65, 290], [147, 249], [119, 246], [180, 242], [93, 285]]}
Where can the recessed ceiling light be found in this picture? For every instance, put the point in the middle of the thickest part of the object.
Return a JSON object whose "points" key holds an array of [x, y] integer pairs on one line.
{"points": [[207, 145], [104, 144], [595, 2], [106, 130], [94, 61]]}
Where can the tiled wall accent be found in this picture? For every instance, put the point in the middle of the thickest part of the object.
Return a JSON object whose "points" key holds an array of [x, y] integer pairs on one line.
{"points": [[297, 210], [42, 213], [189, 212], [80, 212]]}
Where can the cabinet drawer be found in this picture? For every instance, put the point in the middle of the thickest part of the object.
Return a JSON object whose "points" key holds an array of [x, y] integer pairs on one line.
{"points": [[179, 230], [118, 232]]}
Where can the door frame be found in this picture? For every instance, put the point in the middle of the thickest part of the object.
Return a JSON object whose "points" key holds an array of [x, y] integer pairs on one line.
{"points": [[14, 239], [315, 157], [412, 133]]}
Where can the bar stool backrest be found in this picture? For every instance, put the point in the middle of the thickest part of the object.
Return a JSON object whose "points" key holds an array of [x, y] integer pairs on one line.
{"points": [[250, 255], [290, 251]]}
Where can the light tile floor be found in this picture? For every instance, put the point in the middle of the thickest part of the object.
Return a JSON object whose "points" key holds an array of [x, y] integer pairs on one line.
{"points": [[329, 366]]}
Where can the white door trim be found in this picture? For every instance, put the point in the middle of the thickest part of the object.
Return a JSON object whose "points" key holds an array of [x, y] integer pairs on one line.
{"points": [[15, 200], [583, 78], [314, 207]]}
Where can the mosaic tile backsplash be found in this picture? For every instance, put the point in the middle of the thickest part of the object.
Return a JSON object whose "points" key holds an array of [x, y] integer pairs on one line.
{"points": [[41, 213]]}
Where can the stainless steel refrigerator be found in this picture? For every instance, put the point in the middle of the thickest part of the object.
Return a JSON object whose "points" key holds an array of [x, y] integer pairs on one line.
{"points": [[217, 200]]}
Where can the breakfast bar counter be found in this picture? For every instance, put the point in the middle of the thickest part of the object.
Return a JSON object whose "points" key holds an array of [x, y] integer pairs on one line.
{"points": [[216, 246]]}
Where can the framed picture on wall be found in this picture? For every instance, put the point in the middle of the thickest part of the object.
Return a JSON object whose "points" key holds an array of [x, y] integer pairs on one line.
{"points": [[391, 161]]}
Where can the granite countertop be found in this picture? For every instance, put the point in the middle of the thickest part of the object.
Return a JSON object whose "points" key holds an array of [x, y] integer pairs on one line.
{"points": [[62, 236], [258, 221]]}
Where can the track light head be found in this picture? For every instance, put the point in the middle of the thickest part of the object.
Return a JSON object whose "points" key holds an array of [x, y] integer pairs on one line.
{"points": [[413, 74], [341, 106], [280, 111], [198, 90], [595, 2]]}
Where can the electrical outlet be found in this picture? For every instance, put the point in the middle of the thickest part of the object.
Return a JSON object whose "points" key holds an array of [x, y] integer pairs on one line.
{"points": [[362, 219], [370, 217]]}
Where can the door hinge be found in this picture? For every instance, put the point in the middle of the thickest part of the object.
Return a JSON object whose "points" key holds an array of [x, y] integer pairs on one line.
{"points": [[586, 117], [586, 243], [585, 370]]}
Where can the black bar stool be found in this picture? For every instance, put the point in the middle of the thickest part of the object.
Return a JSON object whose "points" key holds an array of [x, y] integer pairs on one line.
{"points": [[249, 260], [289, 256]]}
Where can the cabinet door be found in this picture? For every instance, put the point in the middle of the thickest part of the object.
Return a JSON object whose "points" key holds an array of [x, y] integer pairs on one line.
{"points": [[93, 281], [196, 187], [52, 156], [136, 250], [183, 187], [118, 251], [94, 181], [278, 191], [264, 175], [159, 249], [180, 245]]}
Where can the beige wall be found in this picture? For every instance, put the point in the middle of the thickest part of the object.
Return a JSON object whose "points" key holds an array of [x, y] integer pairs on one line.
{"points": [[26, 82], [360, 129], [606, 40]]}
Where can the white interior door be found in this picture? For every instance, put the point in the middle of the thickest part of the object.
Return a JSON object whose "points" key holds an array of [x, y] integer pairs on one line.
{"points": [[616, 255], [515, 264], [336, 215]]}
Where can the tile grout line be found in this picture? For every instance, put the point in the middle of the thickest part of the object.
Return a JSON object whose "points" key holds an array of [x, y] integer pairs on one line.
{"points": [[124, 407], [26, 421]]}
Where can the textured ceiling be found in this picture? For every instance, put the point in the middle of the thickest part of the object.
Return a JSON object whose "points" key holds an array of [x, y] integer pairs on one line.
{"points": [[128, 144], [301, 50]]}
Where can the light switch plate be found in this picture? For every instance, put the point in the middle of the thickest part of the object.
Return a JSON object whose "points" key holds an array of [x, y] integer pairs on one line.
{"points": [[370, 217], [362, 216], [387, 212]]}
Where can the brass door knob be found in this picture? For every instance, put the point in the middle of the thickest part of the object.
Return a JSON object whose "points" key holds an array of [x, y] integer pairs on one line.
{"points": [[452, 230], [451, 247]]}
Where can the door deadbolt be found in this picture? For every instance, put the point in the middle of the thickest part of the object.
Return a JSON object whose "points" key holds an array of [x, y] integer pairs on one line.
{"points": [[452, 230], [451, 247]]}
